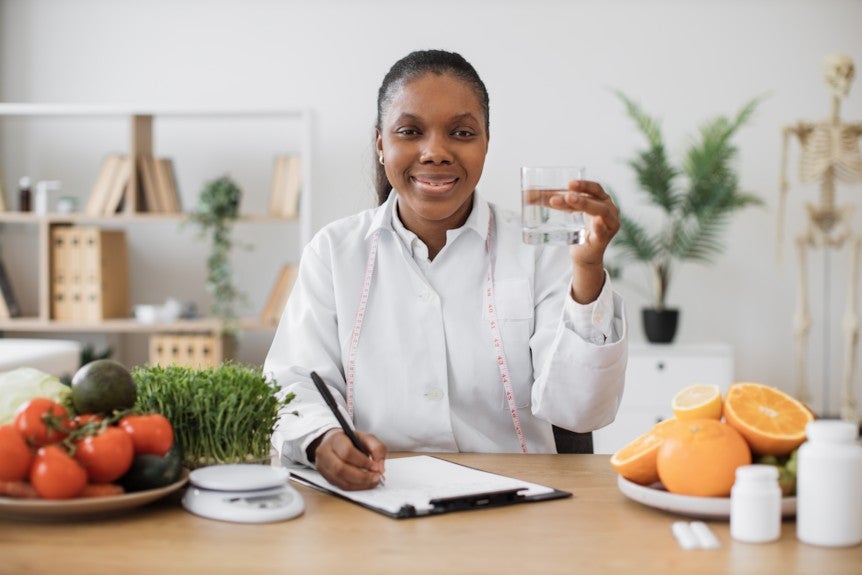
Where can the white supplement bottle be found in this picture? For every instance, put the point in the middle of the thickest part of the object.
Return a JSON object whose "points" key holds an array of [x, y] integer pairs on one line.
{"points": [[829, 485], [755, 504]]}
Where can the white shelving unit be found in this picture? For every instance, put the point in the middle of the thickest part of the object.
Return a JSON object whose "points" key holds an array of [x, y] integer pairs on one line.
{"points": [[143, 127]]}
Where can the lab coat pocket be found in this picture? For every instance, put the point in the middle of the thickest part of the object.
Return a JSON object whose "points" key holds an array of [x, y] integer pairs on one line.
{"points": [[514, 306], [513, 299]]}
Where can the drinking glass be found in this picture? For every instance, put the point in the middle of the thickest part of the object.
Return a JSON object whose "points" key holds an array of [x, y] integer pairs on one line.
{"points": [[541, 223]]}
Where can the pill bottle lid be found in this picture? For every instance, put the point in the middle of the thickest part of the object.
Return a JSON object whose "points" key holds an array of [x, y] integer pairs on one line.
{"points": [[24, 182], [757, 472], [832, 430]]}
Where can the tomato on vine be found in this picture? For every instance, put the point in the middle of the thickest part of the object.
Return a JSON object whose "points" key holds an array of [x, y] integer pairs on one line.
{"points": [[151, 434], [42, 421], [107, 455], [15, 454], [56, 475]]}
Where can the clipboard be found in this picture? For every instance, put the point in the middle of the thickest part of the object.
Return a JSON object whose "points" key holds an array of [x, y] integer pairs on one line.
{"points": [[423, 485]]}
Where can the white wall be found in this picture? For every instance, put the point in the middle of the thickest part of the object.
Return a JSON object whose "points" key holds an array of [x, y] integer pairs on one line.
{"points": [[548, 65]]}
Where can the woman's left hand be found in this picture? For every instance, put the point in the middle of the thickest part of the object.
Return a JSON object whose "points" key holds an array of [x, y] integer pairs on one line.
{"points": [[602, 223]]}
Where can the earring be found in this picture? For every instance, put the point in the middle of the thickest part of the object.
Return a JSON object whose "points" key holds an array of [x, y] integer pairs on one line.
{"points": [[380, 159]]}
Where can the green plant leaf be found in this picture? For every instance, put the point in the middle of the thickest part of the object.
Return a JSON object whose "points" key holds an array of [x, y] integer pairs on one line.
{"points": [[696, 199]]}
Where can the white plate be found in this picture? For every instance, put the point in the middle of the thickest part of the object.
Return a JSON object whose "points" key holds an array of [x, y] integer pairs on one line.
{"points": [[705, 507], [85, 507]]}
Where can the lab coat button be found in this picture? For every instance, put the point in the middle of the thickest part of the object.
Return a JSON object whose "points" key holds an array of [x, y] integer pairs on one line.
{"points": [[435, 394]]}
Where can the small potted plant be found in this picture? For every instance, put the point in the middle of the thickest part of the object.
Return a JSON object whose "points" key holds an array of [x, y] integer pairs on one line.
{"points": [[695, 201], [216, 211]]}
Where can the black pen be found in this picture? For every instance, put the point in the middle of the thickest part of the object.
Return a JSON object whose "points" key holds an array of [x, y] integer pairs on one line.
{"points": [[330, 401]]}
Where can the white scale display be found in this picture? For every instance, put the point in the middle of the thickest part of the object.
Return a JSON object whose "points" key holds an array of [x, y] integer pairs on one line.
{"points": [[243, 493]]}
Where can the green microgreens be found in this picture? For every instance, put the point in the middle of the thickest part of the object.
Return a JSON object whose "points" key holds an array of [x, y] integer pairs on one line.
{"points": [[219, 415]]}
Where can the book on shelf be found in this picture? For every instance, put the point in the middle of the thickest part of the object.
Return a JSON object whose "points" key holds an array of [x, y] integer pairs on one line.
{"points": [[286, 186], [278, 295], [108, 172], [117, 189], [8, 303], [168, 197], [149, 183]]}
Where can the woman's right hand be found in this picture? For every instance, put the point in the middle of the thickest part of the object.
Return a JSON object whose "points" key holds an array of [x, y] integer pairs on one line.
{"points": [[346, 467]]}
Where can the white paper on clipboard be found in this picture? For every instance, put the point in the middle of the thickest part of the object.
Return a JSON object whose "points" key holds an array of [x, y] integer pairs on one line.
{"points": [[425, 485]]}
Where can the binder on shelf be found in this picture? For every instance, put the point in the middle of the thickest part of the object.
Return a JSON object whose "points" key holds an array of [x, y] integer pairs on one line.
{"points": [[278, 295], [9, 306], [108, 172], [61, 269], [119, 184], [188, 350], [89, 274], [286, 184]]}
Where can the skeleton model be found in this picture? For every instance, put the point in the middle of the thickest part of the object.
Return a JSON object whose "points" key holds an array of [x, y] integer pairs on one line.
{"points": [[829, 153]]}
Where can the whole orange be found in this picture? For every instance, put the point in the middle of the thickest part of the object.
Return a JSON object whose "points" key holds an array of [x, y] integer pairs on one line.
{"points": [[700, 458]]}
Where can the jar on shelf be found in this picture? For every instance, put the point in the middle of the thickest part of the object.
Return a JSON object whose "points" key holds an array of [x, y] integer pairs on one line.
{"points": [[25, 194]]}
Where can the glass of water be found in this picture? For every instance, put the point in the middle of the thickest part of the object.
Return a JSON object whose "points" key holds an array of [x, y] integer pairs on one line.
{"points": [[541, 223]]}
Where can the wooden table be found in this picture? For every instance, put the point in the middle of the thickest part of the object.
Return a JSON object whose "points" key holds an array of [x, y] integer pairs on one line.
{"points": [[596, 531]]}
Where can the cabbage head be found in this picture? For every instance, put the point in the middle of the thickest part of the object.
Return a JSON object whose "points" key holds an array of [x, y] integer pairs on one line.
{"points": [[19, 386]]}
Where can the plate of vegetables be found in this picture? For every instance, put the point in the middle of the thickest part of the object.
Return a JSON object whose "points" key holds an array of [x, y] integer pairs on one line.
{"points": [[86, 451], [93, 503]]}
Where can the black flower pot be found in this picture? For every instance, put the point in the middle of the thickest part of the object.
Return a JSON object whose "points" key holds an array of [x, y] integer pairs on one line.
{"points": [[660, 325]]}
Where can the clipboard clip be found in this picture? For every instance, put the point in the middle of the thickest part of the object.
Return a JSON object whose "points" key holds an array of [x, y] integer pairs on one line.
{"points": [[477, 500]]}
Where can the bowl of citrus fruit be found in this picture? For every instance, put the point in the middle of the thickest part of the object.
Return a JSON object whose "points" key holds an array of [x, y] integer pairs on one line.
{"points": [[687, 464]]}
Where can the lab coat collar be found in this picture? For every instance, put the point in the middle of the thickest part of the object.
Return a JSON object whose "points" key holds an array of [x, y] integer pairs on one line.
{"points": [[477, 220]]}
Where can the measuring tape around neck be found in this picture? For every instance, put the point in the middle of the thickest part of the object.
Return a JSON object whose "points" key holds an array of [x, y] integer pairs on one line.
{"points": [[493, 325]]}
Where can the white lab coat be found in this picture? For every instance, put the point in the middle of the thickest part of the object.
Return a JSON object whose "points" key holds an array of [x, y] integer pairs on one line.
{"points": [[426, 375]]}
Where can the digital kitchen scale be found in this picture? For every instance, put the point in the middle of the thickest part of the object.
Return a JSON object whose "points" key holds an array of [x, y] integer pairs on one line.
{"points": [[243, 493]]}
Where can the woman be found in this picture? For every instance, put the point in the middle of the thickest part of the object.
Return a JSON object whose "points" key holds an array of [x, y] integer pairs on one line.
{"points": [[435, 326]]}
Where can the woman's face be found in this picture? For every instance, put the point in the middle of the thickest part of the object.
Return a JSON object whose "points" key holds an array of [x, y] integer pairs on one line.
{"points": [[433, 141]]}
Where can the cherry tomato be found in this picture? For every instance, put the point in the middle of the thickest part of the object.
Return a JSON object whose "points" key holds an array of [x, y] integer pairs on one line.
{"points": [[55, 475], [151, 434], [15, 454], [106, 456], [38, 421]]}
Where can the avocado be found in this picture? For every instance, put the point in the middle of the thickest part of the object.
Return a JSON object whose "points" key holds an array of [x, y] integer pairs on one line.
{"points": [[103, 386], [154, 471]]}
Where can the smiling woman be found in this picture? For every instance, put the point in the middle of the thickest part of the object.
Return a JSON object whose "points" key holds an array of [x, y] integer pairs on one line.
{"points": [[433, 154], [435, 326]]}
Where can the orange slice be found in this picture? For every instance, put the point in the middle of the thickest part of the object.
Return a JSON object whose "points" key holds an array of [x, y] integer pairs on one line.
{"points": [[636, 461], [770, 420], [698, 401]]}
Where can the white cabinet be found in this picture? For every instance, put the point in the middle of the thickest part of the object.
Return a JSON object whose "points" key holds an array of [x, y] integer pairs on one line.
{"points": [[653, 376]]}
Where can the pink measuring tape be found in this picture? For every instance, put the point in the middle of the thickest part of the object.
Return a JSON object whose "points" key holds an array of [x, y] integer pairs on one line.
{"points": [[493, 325]]}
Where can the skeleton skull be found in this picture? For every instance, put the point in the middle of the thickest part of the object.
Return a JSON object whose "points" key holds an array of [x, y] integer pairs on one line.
{"points": [[838, 71]]}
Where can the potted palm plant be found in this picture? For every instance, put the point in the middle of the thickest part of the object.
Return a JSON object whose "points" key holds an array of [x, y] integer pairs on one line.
{"points": [[695, 201]]}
